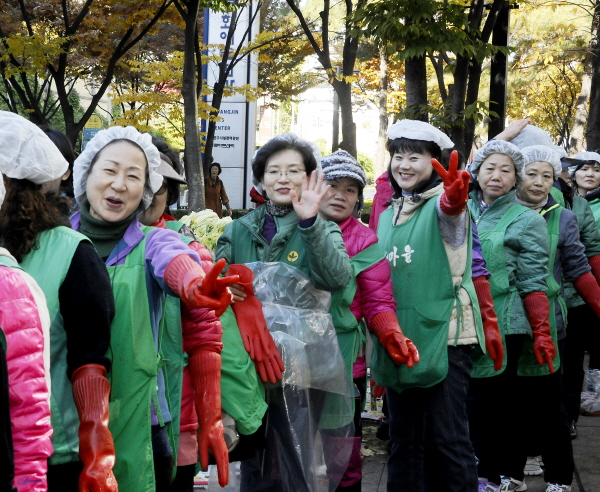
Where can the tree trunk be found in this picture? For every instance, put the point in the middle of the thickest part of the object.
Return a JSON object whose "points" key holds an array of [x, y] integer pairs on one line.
{"points": [[193, 168], [581, 110], [382, 159], [344, 92], [593, 130], [415, 73]]}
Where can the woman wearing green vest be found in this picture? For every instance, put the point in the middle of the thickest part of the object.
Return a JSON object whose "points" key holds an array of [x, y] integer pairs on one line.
{"points": [[80, 303], [568, 263], [427, 238], [515, 245], [115, 179], [287, 229], [346, 179]]}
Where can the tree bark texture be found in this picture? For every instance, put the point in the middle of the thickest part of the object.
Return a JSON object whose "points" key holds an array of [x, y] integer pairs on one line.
{"points": [[593, 129], [382, 159]]}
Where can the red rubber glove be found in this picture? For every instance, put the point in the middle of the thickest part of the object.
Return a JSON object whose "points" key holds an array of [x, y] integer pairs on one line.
{"points": [[594, 262], [376, 390], [493, 340], [401, 349], [205, 373], [96, 447], [538, 311], [258, 342], [196, 289], [588, 289], [456, 186]]}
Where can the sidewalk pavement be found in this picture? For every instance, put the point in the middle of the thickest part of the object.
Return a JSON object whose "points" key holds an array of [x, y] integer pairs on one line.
{"points": [[586, 449]]}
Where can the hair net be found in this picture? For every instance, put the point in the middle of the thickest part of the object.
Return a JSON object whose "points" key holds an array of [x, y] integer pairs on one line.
{"points": [[532, 135], [83, 164], [588, 156], [535, 153], [419, 130], [498, 147], [560, 150], [27, 152]]}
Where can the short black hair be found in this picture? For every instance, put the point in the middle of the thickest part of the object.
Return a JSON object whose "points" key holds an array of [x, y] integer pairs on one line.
{"points": [[172, 185], [275, 145], [412, 145], [215, 164], [66, 149]]}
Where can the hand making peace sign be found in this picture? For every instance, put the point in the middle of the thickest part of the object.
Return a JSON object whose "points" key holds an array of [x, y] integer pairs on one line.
{"points": [[456, 185]]}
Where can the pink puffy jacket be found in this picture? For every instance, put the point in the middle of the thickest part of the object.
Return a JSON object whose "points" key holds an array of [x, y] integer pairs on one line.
{"points": [[376, 278], [28, 391], [383, 193]]}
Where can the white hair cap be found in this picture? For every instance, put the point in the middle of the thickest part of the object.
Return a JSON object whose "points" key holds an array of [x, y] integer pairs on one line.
{"points": [[560, 150], [588, 156], [419, 130], [541, 153], [498, 147], [532, 135], [83, 164], [27, 152]]}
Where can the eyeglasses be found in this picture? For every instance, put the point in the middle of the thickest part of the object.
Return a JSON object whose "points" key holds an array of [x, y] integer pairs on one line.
{"points": [[293, 173]]}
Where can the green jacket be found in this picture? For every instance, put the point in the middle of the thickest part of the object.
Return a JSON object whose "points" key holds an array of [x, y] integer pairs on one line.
{"points": [[589, 236], [526, 254], [317, 250]]}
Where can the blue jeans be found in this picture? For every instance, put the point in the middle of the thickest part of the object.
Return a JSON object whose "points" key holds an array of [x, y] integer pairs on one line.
{"points": [[431, 449]]}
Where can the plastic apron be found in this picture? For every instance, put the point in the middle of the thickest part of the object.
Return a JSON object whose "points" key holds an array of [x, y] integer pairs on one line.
{"points": [[133, 377], [349, 336], [503, 294], [49, 270], [419, 263], [527, 363]]}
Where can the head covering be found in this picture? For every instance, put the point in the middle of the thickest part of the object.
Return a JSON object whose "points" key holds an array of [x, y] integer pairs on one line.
{"points": [[532, 135], [83, 164], [560, 150], [2, 191], [341, 164], [588, 156], [419, 130], [27, 152], [166, 170], [535, 153], [498, 147]]}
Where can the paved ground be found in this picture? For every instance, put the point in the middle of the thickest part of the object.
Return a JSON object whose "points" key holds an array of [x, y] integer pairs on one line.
{"points": [[586, 449]]}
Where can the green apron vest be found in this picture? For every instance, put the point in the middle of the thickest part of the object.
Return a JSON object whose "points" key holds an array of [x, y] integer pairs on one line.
{"points": [[338, 410], [135, 366], [492, 247], [527, 363], [420, 267], [48, 265], [558, 196]]}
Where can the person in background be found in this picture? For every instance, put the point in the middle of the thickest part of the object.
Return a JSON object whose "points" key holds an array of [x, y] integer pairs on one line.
{"points": [[381, 200], [80, 302], [25, 430], [256, 196], [214, 191]]}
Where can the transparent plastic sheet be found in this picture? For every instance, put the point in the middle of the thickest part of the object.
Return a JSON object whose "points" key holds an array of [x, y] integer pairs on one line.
{"points": [[305, 452]]}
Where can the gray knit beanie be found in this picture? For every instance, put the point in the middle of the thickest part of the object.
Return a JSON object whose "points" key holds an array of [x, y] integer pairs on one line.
{"points": [[341, 164]]}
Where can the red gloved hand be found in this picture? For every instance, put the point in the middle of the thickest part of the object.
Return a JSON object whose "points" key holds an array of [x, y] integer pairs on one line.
{"points": [[205, 373], [376, 390], [493, 340], [538, 311], [401, 349], [96, 448], [187, 279], [258, 342], [588, 289], [594, 262], [456, 186]]}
